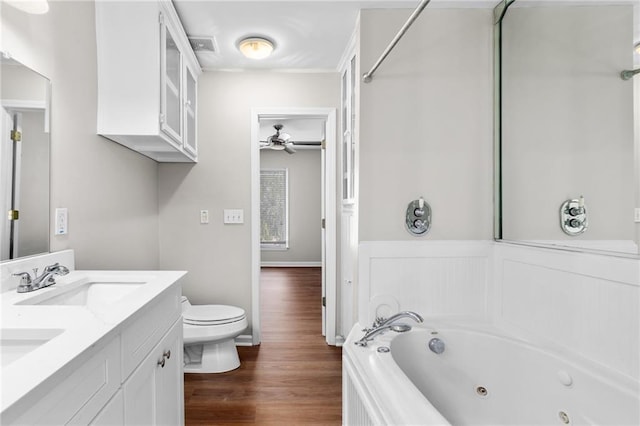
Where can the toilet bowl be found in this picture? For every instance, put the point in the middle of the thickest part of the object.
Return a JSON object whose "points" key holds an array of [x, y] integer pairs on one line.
{"points": [[209, 333]]}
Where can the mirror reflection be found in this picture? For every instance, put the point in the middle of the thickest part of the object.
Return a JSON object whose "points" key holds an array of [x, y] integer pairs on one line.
{"points": [[24, 160], [567, 126]]}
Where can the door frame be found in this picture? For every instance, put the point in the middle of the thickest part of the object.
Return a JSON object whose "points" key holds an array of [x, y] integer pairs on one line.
{"points": [[330, 214]]}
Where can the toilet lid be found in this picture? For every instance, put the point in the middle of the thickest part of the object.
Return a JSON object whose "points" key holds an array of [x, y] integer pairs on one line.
{"points": [[212, 314]]}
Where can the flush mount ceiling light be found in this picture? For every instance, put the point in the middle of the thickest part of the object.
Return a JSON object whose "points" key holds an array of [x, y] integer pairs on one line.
{"points": [[255, 47], [33, 7]]}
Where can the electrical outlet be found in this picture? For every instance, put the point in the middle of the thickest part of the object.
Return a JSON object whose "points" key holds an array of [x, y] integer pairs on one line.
{"points": [[637, 215], [61, 221], [204, 216], [234, 216]]}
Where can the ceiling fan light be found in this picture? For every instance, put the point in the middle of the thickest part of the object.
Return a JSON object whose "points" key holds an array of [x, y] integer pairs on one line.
{"points": [[255, 47], [277, 147]]}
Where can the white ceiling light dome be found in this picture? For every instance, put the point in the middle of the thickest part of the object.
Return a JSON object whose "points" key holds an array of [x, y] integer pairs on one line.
{"points": [[256, 47]]}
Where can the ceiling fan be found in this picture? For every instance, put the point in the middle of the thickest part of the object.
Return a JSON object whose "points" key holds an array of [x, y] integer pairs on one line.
{"points": [[279, 141]]}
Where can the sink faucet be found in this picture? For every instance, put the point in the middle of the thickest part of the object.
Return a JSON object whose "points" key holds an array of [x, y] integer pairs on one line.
{"points": [[27, 283]]}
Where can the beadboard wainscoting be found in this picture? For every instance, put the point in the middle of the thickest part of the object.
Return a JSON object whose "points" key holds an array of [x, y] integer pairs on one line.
{"points": [[428, 277], [586, 304]]}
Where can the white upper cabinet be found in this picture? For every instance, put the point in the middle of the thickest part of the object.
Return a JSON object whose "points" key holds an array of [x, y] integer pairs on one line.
{"points": [[147, 80]]}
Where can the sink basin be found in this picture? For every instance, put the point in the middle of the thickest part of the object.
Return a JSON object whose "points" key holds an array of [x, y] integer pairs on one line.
{"points": [[17, 342], [93, 295]]}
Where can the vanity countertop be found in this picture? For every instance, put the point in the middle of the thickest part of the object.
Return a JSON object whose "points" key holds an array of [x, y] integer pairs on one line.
{"points": [[64, 324]]}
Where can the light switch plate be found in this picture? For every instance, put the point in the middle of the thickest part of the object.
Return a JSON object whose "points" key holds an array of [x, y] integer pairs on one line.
{"points": [[204, 216], [61, 221], [637, 215], [234, 216]]}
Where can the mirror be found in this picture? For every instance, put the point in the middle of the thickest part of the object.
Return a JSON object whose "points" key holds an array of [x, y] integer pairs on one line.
{"points": [[568, 170], [24, 160]]}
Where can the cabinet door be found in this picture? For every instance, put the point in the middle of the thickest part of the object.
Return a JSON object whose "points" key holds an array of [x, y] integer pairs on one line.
{"points": [[171, 84], [112, 414], [170, 380], [154, 392], [190, 109]]}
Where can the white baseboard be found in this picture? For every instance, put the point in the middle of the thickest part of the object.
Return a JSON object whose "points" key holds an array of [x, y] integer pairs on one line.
{"points": [[312, 264], [244, 340]]}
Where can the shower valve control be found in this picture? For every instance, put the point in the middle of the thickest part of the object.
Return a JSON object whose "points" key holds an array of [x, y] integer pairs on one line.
{"points": [[573, 216], [418, 217]]}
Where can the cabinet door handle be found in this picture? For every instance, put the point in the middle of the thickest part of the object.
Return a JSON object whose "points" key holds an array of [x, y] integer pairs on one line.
{"points": [[167, 354], [161, 362]]}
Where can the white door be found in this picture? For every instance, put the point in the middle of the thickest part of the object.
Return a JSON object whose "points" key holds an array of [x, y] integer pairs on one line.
{"points": [[322, 239], [10, 159]]}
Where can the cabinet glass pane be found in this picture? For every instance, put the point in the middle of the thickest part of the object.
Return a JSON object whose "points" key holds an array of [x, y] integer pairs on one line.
{"points": [[172, 84], [190, 113]]}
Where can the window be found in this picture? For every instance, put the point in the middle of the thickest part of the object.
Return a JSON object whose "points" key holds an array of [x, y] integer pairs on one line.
{"points": [[274, 211]]}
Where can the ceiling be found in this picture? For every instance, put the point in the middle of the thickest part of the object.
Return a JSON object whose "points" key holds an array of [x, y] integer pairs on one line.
{"points": [[308, 34]]}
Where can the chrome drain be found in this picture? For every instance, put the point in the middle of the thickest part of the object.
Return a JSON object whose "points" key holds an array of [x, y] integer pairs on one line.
{"points": [[482, 391], [383, 349]]}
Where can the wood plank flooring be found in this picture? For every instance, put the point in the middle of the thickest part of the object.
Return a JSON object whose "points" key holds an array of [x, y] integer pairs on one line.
{"points": [[292, 378]]}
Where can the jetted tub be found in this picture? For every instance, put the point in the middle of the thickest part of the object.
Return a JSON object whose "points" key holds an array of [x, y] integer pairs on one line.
{"points": [[481, 378]]}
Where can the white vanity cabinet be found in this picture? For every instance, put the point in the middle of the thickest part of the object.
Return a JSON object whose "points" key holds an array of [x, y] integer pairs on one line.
{"points": [[153, 393], [133, 375], [147, 80]]}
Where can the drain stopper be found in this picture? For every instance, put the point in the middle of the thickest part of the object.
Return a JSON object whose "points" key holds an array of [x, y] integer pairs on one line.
{"points": [[482, 391]]}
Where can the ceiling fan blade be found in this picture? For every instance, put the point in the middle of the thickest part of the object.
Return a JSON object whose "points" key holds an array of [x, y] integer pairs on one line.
{"points": [[289, 149]]}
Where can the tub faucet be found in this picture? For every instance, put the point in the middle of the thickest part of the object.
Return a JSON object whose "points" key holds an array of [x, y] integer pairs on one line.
{"points": [[28, 284], [398, 328], [379, 322]]}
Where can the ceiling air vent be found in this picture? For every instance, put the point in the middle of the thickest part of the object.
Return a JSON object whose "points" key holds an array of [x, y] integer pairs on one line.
{"points": [[203, 44]]}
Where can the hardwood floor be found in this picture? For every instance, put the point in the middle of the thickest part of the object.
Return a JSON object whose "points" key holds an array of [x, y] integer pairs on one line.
{"points": [[292, 378]]}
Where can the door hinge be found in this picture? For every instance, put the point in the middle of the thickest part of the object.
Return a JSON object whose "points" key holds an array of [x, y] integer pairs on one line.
{"points": [[324, 222], [16, 135], [323, 144], [324, 301], [161, 118], [13, 215]]}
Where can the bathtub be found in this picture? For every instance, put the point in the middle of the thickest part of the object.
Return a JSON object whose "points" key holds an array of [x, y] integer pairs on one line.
{"points": [[483, 377]]}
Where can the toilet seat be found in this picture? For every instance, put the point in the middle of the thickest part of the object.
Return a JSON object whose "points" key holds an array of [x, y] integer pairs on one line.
{"points": [[208, 315]]}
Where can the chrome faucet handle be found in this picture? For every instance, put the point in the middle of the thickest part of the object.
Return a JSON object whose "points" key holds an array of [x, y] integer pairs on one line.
{"points": [[25, 285], [25, 278]]}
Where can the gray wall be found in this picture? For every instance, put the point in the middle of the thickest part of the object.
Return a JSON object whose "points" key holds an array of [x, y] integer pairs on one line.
{"points": [[567, 121], [426, 124], [110, 191], [217, 256], [304, 204]]}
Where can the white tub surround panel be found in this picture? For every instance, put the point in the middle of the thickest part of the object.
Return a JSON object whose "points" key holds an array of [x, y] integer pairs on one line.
{"points": [[428, 277], [85, 352], [586, 304]]}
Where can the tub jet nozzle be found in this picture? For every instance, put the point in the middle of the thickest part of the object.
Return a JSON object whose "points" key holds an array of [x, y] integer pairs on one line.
{"points": [[436, 345]]}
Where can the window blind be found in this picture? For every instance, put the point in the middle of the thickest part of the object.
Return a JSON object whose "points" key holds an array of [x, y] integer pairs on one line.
{"points": [[273, 208]]}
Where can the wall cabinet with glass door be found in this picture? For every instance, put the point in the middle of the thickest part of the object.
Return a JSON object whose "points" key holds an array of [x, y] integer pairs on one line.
{"points": [[348, 123], [147, 80]]}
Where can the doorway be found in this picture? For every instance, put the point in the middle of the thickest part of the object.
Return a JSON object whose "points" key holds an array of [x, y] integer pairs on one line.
{"points": [[328, 195]]}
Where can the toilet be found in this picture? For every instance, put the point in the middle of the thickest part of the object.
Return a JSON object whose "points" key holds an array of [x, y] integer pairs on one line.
{"points": [[209, 333]]}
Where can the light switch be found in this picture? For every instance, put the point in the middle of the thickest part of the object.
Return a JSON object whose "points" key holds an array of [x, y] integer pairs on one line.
{"points": [[234, 216], [204, 216], [637, 215], [62, 221]]}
